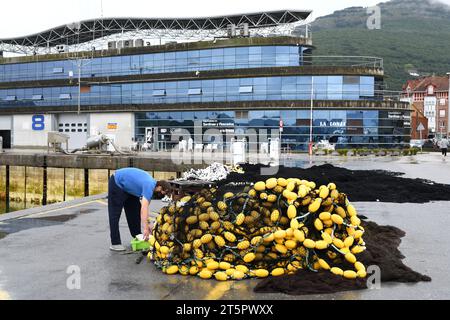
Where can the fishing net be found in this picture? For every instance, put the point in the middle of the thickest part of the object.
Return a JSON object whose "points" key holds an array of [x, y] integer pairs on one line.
{"points": [[273, 227]]}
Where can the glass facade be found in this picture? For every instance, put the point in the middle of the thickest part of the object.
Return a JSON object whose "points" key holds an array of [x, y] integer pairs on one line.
{"points": [[239, 89], [180, 61], [346, 128]]}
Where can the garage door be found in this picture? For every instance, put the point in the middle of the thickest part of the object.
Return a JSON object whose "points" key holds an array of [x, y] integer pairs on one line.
{"points": [[5, 131], [75, 126]]}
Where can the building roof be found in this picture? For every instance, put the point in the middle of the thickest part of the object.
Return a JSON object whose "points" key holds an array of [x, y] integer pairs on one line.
{"points": [[420, 85], [90, 30]]}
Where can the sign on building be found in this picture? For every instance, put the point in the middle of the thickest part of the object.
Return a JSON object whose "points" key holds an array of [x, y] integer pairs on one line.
{"points": [[112, 126], [429, 105]]}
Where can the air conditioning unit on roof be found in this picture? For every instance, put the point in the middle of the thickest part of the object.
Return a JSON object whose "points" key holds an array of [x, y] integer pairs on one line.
{"points": [[112, 45], [128, 43], [138, 43], [62, 48], [125, 44]]}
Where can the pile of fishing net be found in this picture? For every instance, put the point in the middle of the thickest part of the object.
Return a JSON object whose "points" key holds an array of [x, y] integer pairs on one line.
{"points": [[214, 172], [271, 227]]}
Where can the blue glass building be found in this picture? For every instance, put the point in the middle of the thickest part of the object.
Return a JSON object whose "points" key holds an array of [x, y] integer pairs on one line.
{"points": [[236, 83]]}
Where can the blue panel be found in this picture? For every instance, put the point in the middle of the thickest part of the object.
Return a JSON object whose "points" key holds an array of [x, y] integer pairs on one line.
{"points": [[235, 89], [181, 61]]}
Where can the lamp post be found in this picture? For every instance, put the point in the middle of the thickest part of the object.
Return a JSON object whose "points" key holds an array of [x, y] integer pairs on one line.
{"points": [[448, 106], [80, 63], [311, 118]]}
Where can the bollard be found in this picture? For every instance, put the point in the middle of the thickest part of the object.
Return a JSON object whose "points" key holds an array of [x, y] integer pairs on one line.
{"points": [[44, 179], [7, 188], [86, 182]]}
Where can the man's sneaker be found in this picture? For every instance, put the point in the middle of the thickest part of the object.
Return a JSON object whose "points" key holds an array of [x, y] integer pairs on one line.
{"points": [[117, 247]]}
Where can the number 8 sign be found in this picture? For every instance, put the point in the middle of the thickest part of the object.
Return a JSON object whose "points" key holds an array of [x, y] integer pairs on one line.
{"points": [[38, 122]]}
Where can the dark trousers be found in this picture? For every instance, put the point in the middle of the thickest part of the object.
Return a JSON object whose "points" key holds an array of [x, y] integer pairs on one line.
{"points": [[118, 200], [444, 152]]}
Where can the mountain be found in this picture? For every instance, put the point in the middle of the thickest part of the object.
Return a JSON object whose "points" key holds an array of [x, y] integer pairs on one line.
{"points": [[414, 37]]}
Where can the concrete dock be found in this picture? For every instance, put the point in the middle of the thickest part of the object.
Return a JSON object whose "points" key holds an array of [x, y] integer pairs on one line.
{"points": [[39, 246]]}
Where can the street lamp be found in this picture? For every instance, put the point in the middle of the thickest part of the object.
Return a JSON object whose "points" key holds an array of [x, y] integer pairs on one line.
{"points": [[311, 118], [80, 63], [448, 105]]}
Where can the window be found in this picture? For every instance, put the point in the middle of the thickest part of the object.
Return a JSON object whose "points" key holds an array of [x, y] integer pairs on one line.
{"points": [[241, 114], [65, 96], [159, 93], [196, 91], [246, 89], [351, 80], [442, 113], [11, 98], [37, 97], [58, 70]]}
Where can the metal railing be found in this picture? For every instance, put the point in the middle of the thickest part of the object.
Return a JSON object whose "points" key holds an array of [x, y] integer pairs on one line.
{"points": [[343, 61]]}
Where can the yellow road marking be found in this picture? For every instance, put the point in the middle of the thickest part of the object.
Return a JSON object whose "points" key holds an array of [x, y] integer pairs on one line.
{"points": [[219, 290], [4, 295], [59, 209]]}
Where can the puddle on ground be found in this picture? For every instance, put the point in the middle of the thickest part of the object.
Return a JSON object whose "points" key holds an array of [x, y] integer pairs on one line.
{"points": [[128, 285], [2, 234], [17, 225], [67, 217], [60, 218]]}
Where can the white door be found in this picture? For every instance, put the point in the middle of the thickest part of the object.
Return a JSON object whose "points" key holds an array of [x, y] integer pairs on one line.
{"points": [[75, 126]]}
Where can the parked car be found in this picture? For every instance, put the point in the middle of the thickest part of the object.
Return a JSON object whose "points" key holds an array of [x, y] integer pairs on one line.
{"points": [[324, 145], [430, 144], [417, 143]]}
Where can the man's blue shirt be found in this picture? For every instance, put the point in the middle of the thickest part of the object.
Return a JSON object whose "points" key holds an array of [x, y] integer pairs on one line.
{"points": [[136, 182]]}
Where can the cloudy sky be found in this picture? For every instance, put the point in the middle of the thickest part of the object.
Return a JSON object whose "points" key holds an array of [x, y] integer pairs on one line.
{"points": [[23, 17]]}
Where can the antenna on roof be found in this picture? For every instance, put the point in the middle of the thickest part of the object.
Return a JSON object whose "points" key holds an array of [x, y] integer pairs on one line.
{"points": [[101, 16]]}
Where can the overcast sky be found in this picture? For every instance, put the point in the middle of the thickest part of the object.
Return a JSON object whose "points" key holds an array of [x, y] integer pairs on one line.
{"points": [[23, 17]]}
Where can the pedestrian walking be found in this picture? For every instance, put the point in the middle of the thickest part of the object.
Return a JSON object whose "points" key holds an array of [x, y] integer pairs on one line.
{"points": [[443, 144]]}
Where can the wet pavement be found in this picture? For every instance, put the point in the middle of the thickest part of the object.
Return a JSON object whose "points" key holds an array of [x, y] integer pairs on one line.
{"points": [[38, 247]]}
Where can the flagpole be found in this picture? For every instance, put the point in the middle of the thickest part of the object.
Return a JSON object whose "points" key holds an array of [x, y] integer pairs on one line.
{"points": [[311, 118]]}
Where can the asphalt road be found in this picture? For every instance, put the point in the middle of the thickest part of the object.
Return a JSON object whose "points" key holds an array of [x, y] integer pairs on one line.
{"points": [[40, 246]]}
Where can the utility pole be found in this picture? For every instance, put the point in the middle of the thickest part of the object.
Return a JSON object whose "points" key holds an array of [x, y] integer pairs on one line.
{"points": [[448, 106], [311, 118], [79, 63]]}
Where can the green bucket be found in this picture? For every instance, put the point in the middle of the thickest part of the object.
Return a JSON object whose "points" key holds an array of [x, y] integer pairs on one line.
{"points": [[137, 245]]}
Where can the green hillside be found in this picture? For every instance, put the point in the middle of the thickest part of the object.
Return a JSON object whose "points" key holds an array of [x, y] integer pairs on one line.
{"points": [[414, 35]]}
